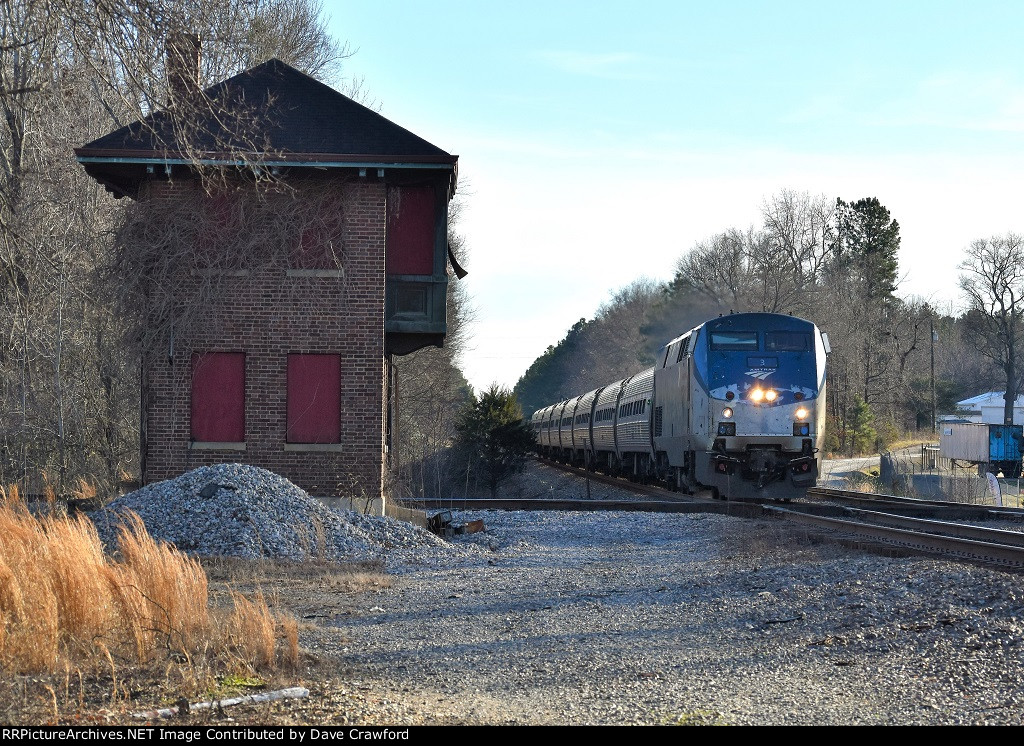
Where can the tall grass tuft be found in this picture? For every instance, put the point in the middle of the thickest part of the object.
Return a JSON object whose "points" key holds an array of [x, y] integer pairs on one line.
{"points": [[84, 490], [28, 599], [252, 632], [76, 567], [52, 589], [10, 495], [289, 626], [173, 611]]}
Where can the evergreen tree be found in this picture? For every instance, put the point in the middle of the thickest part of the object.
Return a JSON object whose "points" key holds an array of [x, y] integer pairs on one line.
{"points": [[863, 310], [498, 439], [867, 245], [860, 423]]}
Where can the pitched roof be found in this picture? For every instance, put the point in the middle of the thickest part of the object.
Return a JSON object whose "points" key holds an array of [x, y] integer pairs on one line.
{"points": [[986, 398], [297, 120]]}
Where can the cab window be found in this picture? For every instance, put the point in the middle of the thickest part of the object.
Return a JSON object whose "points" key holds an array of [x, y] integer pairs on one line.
{"points": [[787, 341], [733, 340]]}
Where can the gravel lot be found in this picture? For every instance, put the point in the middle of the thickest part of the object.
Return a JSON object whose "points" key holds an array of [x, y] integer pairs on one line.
{"points": [[633, 618], [551, 618]]}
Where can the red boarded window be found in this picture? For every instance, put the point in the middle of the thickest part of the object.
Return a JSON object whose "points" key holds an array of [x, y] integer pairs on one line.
{"points": [[314, 399], [410, 231], [319, 243], [218, 397], [218, 225]]}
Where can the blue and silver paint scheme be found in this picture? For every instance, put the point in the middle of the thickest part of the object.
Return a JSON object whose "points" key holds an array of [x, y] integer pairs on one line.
{"points": [[757, 405], [736, 404]]}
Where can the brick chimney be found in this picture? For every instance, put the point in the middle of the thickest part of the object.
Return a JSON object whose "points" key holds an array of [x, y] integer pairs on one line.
{"points": [[182, 66]]}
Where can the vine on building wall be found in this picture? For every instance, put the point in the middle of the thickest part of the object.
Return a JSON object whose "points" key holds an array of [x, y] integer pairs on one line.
{"points": [[185, 253]]}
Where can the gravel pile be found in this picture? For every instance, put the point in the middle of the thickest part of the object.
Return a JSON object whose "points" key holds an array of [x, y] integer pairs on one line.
{"points": [[243, 511]]}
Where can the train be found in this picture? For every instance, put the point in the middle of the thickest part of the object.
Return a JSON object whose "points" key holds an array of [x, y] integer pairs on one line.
{"points": [[736, 405]]}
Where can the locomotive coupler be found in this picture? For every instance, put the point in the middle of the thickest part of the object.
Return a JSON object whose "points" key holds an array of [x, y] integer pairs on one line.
{"points": [[803, 470], [722, 464]]}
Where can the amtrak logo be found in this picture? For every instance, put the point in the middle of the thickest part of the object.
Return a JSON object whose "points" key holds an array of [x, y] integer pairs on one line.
{"points": [[760, 373]]}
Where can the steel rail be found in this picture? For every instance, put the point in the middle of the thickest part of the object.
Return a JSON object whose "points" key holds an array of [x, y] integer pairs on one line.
{"points": [[965, 548], [649, 506], [946, 528], [839, 494]]}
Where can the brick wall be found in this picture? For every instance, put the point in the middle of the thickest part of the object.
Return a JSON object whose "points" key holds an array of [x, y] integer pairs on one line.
{"points": [[267, 314]]}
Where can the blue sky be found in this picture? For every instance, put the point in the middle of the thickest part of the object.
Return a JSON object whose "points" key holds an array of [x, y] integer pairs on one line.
{"points": [[600, 141]]}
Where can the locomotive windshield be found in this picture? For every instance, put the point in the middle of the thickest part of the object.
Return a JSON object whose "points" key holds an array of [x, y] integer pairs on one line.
{"points": [[775, 341], [763, 351], [787, 341], [730, 340]]}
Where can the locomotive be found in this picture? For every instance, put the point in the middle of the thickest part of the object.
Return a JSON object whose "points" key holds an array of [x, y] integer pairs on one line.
{"points": [[735, 405]]}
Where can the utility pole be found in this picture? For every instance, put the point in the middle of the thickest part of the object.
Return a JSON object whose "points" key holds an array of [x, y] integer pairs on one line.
{"points": [[935, 336]]}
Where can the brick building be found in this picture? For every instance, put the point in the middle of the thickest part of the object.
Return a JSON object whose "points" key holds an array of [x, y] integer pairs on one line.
{"points": [[272, 339]]}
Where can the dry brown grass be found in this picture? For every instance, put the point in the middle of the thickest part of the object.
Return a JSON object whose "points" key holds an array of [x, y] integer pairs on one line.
{"points": [[165, 590], [37, 590], [84, 490], [85, 637], [10, 495], [251, 629], [62, 599]]}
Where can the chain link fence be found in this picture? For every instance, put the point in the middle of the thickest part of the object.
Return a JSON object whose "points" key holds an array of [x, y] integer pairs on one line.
{"points": [[923, 473]]}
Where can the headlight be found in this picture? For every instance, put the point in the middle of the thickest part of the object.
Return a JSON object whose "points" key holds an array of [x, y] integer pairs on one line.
{"points": [[756, 395], [727, 412], [801, 414], [770, 395]]}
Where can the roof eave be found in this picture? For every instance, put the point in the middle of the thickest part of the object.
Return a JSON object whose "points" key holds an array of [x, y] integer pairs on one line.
{"points": [[316, 160]]}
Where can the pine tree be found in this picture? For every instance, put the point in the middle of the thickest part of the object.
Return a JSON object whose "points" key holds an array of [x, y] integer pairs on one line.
{"points": [[867, 245], [497, 437], [860, 422]]}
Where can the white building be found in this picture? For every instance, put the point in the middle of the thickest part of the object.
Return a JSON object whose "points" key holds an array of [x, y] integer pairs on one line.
{"points": [[987, 408]]}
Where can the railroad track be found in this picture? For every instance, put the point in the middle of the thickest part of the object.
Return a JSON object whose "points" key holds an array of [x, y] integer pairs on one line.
{"points": [[872, 521], [650, 498], [990, 546], [914, 505], [929, 526]]}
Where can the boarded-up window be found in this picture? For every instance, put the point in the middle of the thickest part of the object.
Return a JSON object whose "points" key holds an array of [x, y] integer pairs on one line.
{"points": [[321, 225], [314, 399], [219, 224], [218, 397], [410, 231]]}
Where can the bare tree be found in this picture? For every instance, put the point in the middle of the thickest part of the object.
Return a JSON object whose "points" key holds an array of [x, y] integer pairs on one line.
{"points": [[992, 281], [69, 73], [796, 227], [718, 269], [777, 268]]}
